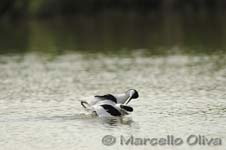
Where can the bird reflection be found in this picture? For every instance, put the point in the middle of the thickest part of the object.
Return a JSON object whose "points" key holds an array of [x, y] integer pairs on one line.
{"points": [[117, 121]]}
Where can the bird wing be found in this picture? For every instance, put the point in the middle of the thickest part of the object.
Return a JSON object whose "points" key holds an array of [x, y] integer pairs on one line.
{"points": [[111, 110], [126, 107], [106, 97]]}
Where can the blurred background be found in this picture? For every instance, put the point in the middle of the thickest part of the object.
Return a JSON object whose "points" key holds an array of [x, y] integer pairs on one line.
{"points": [[54, 53], [154, 26]]}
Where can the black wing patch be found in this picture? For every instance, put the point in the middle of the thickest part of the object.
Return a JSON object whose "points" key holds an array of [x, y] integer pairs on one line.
{"points": [[127, 108], [111, 110], [107, 97]]}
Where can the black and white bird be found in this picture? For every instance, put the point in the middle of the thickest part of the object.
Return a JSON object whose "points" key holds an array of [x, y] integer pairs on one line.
{"points": [[111, 110], [111, 105]]}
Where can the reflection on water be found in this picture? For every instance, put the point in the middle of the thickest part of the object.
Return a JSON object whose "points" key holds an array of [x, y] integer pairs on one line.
{"points": [[52, 66], [159, 34], [117, 121]]}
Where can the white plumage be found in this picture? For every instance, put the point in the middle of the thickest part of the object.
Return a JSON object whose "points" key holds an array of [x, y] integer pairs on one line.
{"points": [[111, 105]]}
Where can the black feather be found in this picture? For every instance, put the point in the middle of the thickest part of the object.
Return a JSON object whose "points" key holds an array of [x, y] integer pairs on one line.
{"points": [[111, 110], [107, 97], [127, 108]]}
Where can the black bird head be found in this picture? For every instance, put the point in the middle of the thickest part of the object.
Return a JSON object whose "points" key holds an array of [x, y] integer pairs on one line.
{"points": [[133, 94]]}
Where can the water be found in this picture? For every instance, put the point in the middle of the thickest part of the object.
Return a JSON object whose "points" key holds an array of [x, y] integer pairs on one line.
{"points": [[157, 33], [41, 83]]}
